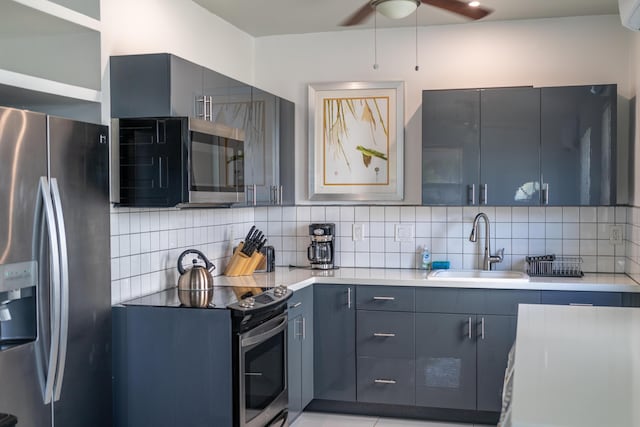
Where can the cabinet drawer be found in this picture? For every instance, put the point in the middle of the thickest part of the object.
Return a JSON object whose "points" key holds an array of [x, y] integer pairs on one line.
{"points": [[391, 298], [385, 334], [484, 301], [612, 299], [386, 381]]}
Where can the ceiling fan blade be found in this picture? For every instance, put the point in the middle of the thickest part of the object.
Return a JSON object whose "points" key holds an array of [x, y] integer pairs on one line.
{"points": [[460, 8], [358, 16]]}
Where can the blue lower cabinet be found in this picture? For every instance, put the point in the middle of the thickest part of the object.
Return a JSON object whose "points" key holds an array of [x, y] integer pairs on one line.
{"points": [[300, 351], [390, 381], [606, 299], [494, 336], [445, 360], [334, 342]]}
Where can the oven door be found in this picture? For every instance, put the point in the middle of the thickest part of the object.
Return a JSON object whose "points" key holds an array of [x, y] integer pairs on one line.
{"points": [[262, 374]]}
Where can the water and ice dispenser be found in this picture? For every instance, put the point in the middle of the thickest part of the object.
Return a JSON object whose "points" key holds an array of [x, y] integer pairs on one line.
{"points": [[18, 291]]}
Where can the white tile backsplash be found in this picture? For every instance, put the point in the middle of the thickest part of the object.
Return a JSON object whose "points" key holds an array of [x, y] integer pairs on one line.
{"points": [[145, 243]]}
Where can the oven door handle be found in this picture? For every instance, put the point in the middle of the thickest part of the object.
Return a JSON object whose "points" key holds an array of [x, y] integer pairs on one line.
{"points": [[256, 339]]}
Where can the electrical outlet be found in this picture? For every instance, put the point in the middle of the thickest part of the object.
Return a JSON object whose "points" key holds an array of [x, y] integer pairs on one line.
{"points": [[357, 232], [403, 232], [615, 234]]}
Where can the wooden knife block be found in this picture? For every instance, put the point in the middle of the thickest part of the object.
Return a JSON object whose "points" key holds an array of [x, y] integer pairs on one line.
{"points": [[242, 265]]}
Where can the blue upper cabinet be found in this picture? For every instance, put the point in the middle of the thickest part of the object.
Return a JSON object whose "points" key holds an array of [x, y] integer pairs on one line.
{"points": [[579, 144], [450, 146], [510, 146], [519, 146]]}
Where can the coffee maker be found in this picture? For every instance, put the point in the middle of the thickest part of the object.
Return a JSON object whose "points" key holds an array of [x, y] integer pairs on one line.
{"points": [[321, 251]]}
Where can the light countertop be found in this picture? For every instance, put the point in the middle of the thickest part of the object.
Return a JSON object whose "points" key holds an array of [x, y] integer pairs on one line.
{"points": [[298, 278], [576, 366]]}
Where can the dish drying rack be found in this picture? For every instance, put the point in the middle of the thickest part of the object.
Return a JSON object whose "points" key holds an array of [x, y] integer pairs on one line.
{"points": [[554, 266]]}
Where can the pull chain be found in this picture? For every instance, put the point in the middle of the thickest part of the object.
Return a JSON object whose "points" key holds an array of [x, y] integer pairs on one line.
{"points": [[417, 66], [375, 39]]}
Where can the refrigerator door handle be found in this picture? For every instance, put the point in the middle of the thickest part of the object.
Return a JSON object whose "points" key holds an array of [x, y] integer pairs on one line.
{"points": [[44, 199], [64, 289]]}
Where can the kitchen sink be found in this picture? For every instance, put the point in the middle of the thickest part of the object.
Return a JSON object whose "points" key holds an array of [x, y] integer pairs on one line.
{"points": [[478, 276]]}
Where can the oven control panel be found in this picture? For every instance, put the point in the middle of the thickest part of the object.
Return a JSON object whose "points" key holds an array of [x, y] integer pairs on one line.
{"points": [[267, 298]]}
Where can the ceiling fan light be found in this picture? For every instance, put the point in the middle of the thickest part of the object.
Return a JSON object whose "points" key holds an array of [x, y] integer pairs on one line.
{"points": [[396, 9], [474, 3]]}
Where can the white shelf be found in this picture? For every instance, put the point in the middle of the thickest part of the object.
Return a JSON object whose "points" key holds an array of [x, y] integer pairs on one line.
{"points": [[38, 84], [61, 12]]}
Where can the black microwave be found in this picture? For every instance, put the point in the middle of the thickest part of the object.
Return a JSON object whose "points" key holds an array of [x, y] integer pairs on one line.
{"points": [[177, 161]]}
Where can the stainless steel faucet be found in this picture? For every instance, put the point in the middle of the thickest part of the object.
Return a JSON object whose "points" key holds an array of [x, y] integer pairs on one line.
{"points": [[489, 259]]}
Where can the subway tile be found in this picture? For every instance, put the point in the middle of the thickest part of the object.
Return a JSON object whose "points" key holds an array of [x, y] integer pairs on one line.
{"points": [[392, 213], [588, 247], [553, 230], [605, 248], [407, 214], [456, 261], [553, 246], [423, 229], [553, 214], [347, 213], [621, 214], [537, 247], [455, 229], [520, 214], [520, 246], [571, 247], [347, 259], [390, 245], [536, 214], [318, 214], [605, 264], [303, 214], [454, 246], [454, 214], [274, 213], [408, 260], [376, 244], [361, 214], [362, 259], [439, 229], [588, 231], [438, 245], [288, 214], [570, 230], [423, 214], [503, 214], [520, 230], [376, 213], [606, 214], [588, 214], [503, 230], [536, 230], [376, 259], [392, 260], [439, 214]]}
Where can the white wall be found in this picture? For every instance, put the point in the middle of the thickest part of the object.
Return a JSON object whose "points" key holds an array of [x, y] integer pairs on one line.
{"points": [[181, 27], [585, 50]]}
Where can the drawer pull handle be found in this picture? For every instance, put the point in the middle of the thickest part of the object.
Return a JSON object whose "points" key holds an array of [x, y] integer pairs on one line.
{"points": [[578, 304], [384, 298], [384, 381], [383, 334], [298, 304]]}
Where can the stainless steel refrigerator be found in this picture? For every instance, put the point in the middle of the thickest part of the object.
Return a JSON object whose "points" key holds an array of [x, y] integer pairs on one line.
{"points": [[55, 304]]}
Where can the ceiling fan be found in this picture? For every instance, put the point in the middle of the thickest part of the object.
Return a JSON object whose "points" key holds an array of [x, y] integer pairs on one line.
{"points": [[397, 9]]}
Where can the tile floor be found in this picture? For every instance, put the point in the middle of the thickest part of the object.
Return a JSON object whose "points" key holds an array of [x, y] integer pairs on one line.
{"points": [[316, 419]]}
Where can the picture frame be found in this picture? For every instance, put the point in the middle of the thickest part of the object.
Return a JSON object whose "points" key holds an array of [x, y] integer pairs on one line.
{"points": [[356, 141]]}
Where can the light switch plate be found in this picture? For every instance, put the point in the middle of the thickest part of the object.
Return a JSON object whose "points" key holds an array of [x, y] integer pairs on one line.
{"points": [[403, 232], [615, 235], [357, 232]]}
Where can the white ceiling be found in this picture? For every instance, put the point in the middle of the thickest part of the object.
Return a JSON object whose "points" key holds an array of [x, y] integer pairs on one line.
{"points": [[272, 17]]}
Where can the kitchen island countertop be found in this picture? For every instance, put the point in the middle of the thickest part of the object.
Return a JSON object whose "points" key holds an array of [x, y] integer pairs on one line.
{"points": [[576, 366], [298, 278]]}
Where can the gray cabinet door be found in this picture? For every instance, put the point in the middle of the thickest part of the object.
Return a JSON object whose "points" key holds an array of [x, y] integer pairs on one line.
{"points": [[450, 146], [287, 151], [445, 360], [186, 86], [294, 366], [579, 144], [495, 336], [334, 342], [307, 345], [510, 146], [606, 299]]}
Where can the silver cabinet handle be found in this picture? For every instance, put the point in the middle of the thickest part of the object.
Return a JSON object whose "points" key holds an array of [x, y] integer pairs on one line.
{"points": [[471, 194], [484, 194], [470, 327], [482, 328], [64, 289], [253, 374], [200, 99], [380, 381], [384, 334], [348, 297], [296, 305], [304, 328], [280, 194], [384, 298], [545, 193], [255, 196]]}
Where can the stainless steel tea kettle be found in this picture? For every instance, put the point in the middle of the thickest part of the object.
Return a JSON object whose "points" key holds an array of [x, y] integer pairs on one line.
{"points": [[195, 285]]}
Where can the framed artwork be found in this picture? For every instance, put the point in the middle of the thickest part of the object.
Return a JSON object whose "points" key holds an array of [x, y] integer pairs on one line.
{"points": [[356, 141]]}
